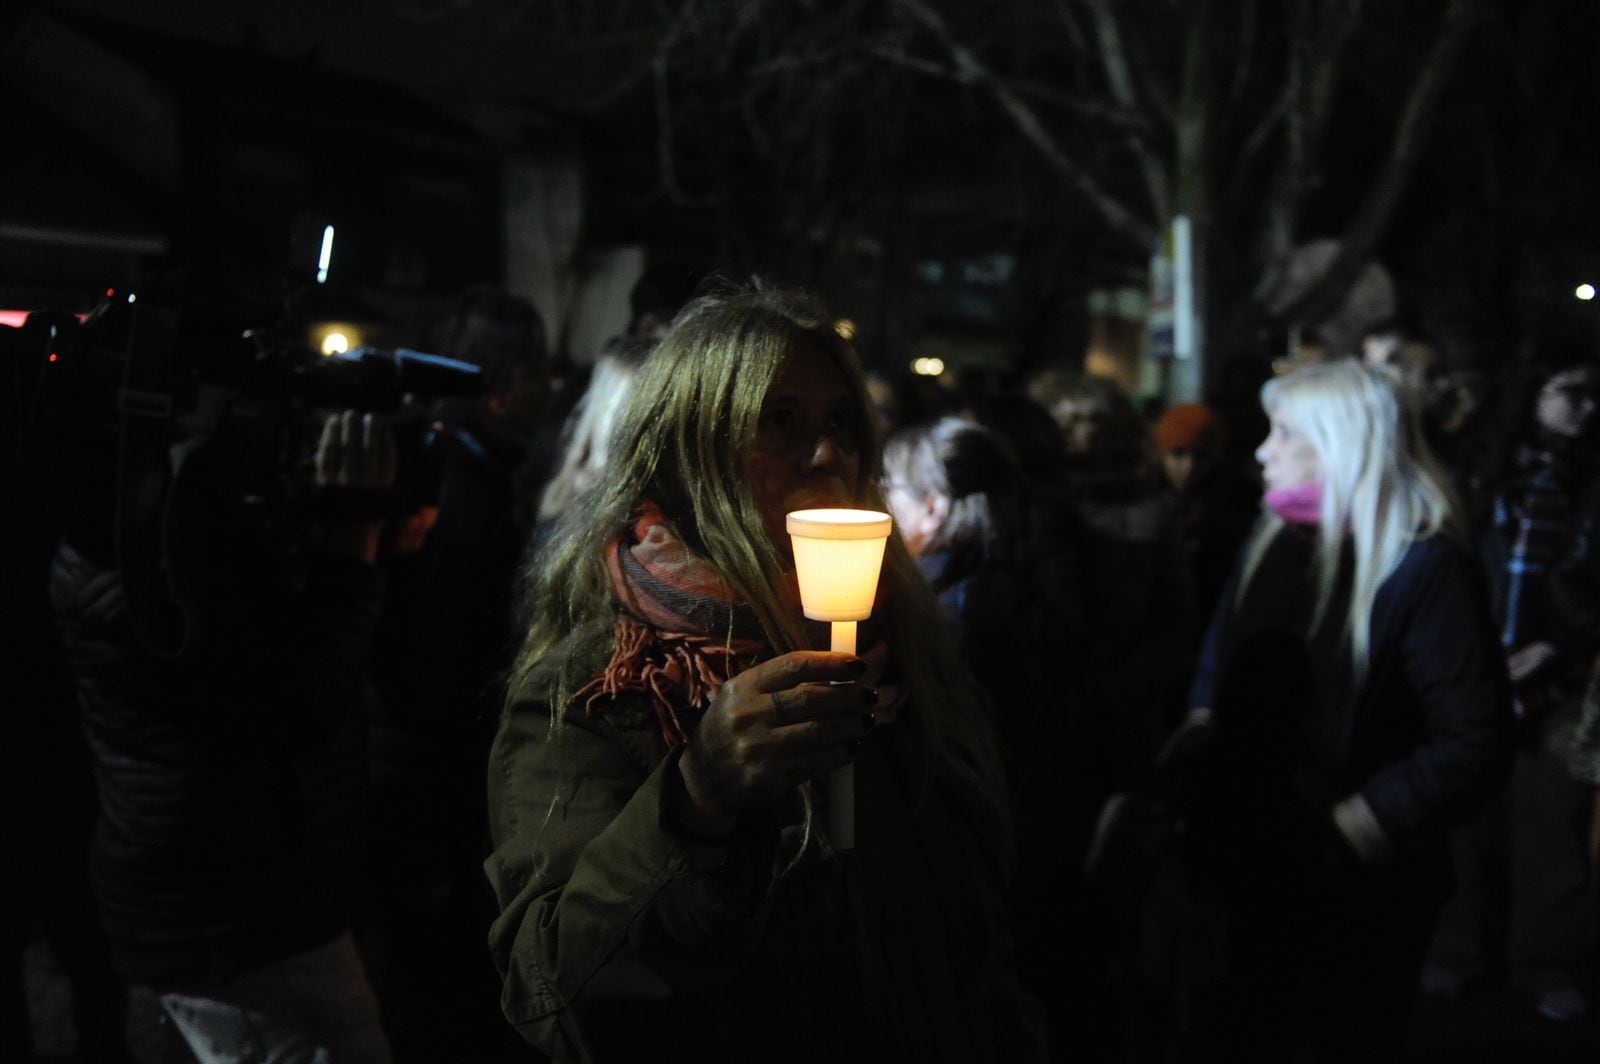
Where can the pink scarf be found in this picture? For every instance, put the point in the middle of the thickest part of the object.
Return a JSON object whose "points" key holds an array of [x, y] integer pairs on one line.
{"points": [[1299, 505], [681, 631]]}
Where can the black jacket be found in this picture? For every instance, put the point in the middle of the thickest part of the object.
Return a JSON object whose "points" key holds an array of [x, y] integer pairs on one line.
{"points": [[613, 946], [1575, 583], [1423, 740], [232, 781]]}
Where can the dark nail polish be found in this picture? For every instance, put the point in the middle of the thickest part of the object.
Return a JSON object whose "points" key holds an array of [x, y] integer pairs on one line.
{"points": [[868, 719], [857, 667], [869, 697]]}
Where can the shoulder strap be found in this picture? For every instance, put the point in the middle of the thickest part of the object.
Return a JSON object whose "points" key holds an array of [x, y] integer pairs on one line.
{"points": [[144, 478]]}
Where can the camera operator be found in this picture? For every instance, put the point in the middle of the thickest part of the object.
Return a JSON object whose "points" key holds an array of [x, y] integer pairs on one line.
{"points": [[233, 774], [441, 647]]}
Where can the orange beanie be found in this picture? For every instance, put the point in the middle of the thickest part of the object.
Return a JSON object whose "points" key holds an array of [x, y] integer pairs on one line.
{"points": [[1187, 427]]}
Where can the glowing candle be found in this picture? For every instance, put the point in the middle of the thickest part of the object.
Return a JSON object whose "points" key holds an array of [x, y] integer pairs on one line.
{"points": [[837, 556]]}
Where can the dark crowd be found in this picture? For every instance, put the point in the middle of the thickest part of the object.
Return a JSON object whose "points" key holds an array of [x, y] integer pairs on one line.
{"points": [[1226, 731]]}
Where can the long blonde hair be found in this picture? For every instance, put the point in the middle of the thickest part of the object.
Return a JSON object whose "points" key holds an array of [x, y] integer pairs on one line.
{"points": [[691, 418], [1380, 483]]}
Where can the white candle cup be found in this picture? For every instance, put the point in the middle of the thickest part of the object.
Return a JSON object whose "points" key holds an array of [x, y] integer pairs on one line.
{"points": [[837, 557]]}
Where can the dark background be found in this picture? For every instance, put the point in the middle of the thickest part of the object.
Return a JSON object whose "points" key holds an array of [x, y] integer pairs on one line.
{"points": [[956, 176], [940, 169]]}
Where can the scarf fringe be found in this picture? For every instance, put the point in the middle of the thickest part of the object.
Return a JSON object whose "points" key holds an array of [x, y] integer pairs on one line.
{"points": [[666, 649], [673, 671]]}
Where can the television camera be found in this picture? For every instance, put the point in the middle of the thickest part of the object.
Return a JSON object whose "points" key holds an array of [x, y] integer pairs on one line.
{"points": [[157, 430]]}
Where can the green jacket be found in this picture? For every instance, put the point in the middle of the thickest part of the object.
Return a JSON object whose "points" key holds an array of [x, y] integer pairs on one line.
{"points": [[613, 946]]}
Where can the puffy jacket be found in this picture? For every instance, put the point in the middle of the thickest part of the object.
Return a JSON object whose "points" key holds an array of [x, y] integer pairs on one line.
{"points": [[232, 781]]}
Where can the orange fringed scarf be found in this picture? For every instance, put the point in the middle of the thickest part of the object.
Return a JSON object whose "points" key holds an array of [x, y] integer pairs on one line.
{"points": [[681, 631]]}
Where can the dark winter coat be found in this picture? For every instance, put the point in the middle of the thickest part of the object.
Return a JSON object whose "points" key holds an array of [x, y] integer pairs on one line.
{"points": [[233, 781], [1321, 948], [613, 946], [1422, 740]]}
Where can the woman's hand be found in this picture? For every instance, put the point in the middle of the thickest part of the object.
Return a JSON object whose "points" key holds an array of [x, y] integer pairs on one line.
{"points": [[769, 729]]}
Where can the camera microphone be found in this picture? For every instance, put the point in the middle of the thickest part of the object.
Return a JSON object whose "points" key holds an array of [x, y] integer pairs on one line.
{"points": [[371, 378]]}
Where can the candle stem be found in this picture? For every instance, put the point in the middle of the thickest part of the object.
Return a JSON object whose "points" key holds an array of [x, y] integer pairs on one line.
{"points": [[842, 781]]}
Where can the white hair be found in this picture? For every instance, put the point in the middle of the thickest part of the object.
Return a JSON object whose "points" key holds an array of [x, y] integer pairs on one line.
{"points": [[588, 433], [1380, 482]]}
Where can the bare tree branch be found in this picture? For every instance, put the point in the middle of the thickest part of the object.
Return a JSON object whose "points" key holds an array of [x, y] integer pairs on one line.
{"points": [[1069, 22], [754, 126], [1108, 37], [665, 154], [1410, 137], [1317, 39], [1245, 51], [1121, 220], [1339, 21], [1193, 141], [1271, 118], [1297, 122], [1159, 95], [1097, 112], [1114, 60]]}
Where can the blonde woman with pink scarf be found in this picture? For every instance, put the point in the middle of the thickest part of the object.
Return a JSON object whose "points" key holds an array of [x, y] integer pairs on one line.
{"points": [[1355, 706]]}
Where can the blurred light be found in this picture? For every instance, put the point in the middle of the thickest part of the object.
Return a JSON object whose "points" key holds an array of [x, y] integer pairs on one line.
{"points": [[132, 297], [53, 356], [334, 337], [327, 254], [845, 328], [110, 292], [18, 318], [1585, 292], [927, 367]]}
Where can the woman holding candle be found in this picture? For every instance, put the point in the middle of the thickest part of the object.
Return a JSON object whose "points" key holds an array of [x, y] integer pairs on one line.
{"points": [[1358, 707], [666, 886]]}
